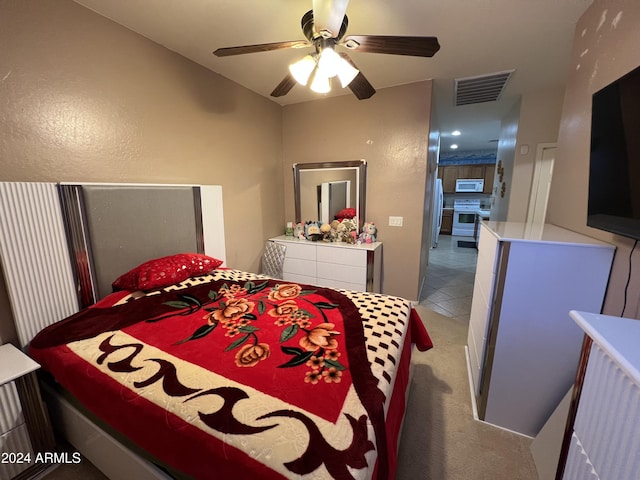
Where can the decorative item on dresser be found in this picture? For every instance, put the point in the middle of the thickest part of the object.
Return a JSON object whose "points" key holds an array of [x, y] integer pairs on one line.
{"points": [[334, 264], [601, 437], [522, 348]]}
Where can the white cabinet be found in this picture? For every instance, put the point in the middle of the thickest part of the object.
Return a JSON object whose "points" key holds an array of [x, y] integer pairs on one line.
{"points": [[522, 347], [602, 440], [14, 437], [335, 265], [24, 425]]}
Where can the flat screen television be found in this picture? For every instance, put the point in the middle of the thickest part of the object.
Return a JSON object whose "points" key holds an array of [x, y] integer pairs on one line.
{"points": [[614, 167]]}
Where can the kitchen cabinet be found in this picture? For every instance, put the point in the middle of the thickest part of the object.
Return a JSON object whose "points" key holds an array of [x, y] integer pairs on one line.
{"points": [[449, 177], [522, 347], [601, 438], [450, 173], [447, 221], [334, 265], [470, 171], [489, 173]]}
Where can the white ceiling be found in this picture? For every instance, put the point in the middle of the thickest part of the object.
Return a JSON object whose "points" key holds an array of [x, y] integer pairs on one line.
{"points": [[477, 37]]}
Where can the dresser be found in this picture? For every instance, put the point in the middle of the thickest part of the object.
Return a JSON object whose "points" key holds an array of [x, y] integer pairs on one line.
{"points": [[601, 440], [522, 346], [334, 265]]}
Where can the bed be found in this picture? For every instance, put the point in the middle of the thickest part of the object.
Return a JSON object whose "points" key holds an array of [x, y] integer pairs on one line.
{"points": [[230, 373]]}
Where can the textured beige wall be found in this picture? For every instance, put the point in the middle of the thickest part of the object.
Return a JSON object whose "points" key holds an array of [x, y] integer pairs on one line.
{"points": [[84, 99], [390, 131], [605, 48], [432, 165], [505, 156], [533, 120], [538, 123]]}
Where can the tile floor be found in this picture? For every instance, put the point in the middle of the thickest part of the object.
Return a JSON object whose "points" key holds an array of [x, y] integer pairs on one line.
{"points": [[448, 286]]}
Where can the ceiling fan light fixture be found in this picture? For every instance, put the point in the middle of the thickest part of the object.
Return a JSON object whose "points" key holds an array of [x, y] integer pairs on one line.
{"points": [[302, 69], [329, 62], [321, 83], [346, 72]]}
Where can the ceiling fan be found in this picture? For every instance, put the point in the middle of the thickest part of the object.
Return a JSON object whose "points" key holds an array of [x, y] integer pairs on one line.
{"points": [[325, 27]]}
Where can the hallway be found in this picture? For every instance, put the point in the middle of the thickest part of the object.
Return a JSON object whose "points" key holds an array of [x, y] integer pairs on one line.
{"points": [[448, 287]]}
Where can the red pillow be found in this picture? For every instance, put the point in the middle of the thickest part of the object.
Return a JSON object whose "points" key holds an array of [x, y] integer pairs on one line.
{"points": [[165, 271], [346, 213]]}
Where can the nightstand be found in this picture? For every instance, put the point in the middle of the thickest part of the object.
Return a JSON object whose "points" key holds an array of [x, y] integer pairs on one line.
{"points": [[24, 422]]}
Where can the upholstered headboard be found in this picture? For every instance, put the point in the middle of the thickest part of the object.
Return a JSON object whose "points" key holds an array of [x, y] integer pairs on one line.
{"points": [[62, 245]]}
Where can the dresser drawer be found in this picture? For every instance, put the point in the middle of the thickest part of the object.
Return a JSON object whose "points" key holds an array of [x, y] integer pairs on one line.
{"points": [[342, 273], [304, 251], [299, 266], [487, 254], [12, 443], [10, 409], [342, 255], [332, 283], [304, 279]]}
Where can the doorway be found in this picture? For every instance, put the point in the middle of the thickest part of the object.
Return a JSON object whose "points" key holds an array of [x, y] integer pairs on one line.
{"points": [[541, 183]]}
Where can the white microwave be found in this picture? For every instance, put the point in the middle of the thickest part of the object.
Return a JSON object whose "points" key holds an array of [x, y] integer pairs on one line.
{"points": [[470, 185]]}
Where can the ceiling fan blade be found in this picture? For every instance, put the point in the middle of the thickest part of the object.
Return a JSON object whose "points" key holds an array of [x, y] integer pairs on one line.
{"points": [[393, 45], [262, 47], [359, 86], [328, 16], [284, 86]]}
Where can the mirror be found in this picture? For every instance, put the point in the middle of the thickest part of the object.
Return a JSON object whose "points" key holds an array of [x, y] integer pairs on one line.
{"points": [[323, 189]]}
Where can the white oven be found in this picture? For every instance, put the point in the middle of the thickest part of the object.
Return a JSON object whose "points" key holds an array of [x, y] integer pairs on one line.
{"points": [[473, 185], [464, 216]]}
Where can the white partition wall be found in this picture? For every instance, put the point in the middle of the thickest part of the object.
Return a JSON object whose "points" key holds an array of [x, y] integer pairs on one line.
{"points": [[39, 282], [213, 222], [35, 257]]}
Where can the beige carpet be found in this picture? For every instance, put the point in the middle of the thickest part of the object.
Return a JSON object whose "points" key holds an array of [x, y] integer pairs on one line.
{"points": [[440, 438]]}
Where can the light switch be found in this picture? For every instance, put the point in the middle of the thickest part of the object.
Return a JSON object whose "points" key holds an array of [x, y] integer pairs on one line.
{"points": [[395, 221]]}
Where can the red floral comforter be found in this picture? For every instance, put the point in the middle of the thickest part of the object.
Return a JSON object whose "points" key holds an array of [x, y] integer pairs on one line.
{"points": [[234, 374]]}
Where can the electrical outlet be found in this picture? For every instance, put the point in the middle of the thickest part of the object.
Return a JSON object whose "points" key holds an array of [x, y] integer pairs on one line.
{"points": [[395, 221]]}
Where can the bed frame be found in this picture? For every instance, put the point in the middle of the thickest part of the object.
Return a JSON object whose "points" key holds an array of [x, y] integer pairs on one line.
{"points": [[79, 238]]}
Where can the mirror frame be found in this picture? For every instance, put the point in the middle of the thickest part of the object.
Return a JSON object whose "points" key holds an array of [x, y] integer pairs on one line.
{"points": [[361, 171]]}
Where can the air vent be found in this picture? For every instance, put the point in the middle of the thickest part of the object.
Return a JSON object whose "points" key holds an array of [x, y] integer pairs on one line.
{"points": [[480, 89]]}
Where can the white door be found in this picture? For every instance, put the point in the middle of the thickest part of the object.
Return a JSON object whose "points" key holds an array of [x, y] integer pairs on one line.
{"points": [[541, 183]]}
